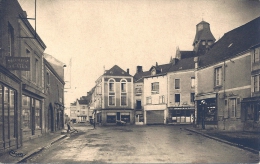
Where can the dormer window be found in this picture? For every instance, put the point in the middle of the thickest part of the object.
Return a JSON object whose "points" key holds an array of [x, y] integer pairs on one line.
{"points": [[203, 43], [153, 72]]}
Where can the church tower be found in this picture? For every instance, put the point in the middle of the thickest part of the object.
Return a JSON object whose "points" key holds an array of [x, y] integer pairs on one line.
{"points": [[203, 38]]}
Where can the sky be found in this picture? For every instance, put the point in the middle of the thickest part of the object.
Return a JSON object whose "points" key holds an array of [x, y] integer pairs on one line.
{"points": [[98, 34]]}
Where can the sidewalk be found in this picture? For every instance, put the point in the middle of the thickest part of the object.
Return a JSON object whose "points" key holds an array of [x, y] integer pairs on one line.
{"points": [[31, 147], [243, 139]]}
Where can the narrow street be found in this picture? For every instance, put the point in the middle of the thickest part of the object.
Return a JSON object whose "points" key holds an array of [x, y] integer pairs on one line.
{"points": [[141, 144]]}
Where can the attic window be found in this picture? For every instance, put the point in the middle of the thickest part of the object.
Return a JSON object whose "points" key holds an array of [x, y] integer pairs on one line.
{"points": [[230, 45]]}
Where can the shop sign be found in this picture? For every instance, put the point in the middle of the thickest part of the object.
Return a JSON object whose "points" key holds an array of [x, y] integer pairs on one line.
{"points": [[18, 63], [182, 108]]}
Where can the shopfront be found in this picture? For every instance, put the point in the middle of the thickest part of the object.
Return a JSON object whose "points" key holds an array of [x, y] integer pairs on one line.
{"points": [[181, 115], [250, 113], [110, 117], [9, 119], [31, 116]]}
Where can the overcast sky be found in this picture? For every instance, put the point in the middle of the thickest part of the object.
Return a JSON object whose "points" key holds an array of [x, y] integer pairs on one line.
{"points": [[95, 34]]}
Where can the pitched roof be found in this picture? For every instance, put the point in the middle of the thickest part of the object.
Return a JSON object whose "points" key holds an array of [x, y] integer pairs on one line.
{"points": [[183, 64], [83, 102], [233, 42], [138, 77], [116, 71], [187, 54]]}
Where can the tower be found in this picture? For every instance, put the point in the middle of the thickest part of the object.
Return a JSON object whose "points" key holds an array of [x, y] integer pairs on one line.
{"points": [[203, 38]]}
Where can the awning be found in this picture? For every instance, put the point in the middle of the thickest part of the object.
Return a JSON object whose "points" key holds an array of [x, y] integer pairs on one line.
{"points": [[205, 96]]}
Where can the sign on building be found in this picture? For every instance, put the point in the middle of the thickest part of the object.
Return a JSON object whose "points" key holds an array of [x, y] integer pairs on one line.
{"points": [[18, 63]]}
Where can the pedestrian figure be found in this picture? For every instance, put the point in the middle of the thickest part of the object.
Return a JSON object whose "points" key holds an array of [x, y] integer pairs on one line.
{"points": [[94, 123], [67, 121]]}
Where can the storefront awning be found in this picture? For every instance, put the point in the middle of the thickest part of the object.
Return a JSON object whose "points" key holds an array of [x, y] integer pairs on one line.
{"points": [[205, 96]]}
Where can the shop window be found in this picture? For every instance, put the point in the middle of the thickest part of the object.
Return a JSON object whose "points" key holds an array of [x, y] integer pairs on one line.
{"points": [[155, 88], [177, 83], [7, 113], [125, 117], [111, 118], [37, 114], [26, 114], [218, 76]]}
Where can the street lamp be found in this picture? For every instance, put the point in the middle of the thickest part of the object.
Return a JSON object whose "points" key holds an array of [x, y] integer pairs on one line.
{"points": [[203, 103]]}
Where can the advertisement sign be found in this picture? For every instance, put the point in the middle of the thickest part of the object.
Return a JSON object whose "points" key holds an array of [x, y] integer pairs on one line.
{"points": [[18, 63]]}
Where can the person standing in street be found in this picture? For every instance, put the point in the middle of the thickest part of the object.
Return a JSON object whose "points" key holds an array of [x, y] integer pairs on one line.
{"points": [[67, 121]]}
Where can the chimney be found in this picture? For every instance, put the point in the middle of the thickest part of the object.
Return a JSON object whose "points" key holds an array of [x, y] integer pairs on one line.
{"points": [[156, 64], [127, 70], [174, 61], [24, 13], [139, 69]]}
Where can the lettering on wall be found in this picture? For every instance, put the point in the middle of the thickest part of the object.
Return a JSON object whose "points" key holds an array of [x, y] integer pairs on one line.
{"points": [[18, 63]]}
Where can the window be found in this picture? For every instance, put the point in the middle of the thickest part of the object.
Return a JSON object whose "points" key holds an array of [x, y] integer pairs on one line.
{"points": [[161, 99], [10, 40], [48, 78], [256, 83], [111, 99], [192, 97], [123, 100], [232, 107], [36, 72], [256, 55], [177, 83], [218, 76], [123, 86], [111, 117], [37, 114], [203, 42], [111, 86], [155, 88], [192, 82], [148, 100], [177, 98], [138, 104], [125, 117]]}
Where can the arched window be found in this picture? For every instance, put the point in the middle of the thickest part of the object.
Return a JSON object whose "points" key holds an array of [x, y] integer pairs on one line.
{"points": [[123, 85], [111, 84]]}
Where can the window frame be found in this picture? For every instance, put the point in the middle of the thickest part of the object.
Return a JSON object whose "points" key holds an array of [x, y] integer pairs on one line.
{"points": [[177, 83], [218, 74], [155, 88]]}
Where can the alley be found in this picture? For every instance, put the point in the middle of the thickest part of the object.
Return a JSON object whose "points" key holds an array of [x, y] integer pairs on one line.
{"points": [[141, 144]]}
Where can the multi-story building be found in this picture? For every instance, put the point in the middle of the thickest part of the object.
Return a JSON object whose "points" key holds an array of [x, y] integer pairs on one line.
{"points": [[114, 97], [155, 95], [73, 112], [82, 110], [224, 76], [54, 91], [181, 91], [138, 95]]}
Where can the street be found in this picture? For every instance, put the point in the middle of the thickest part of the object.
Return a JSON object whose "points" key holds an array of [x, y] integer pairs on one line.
{"points": [[141, 144]]}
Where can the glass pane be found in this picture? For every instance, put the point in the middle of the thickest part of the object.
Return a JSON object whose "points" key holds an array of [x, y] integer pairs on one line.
{"points": [[1, 116], [6, 114], [37, 115], [11, 114], [26, 113]]}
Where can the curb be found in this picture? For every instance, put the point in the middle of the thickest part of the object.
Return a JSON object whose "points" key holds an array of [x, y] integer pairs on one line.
{"points": [[40, 149], [224, 141]]}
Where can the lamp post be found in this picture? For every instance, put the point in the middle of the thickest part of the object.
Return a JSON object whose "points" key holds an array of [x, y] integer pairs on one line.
{"points": [[203, 103]]}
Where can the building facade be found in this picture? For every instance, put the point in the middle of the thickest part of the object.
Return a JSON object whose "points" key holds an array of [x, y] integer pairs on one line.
{"points": [[155, 95], [114, 97], [224, 77], [54, 102]]}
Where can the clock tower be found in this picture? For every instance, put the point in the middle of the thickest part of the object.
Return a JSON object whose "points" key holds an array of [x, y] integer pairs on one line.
{"points": [[203, 38]]}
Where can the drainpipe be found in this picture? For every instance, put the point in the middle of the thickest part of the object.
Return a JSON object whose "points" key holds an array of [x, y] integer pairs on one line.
{"points": [[224, 93]]}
